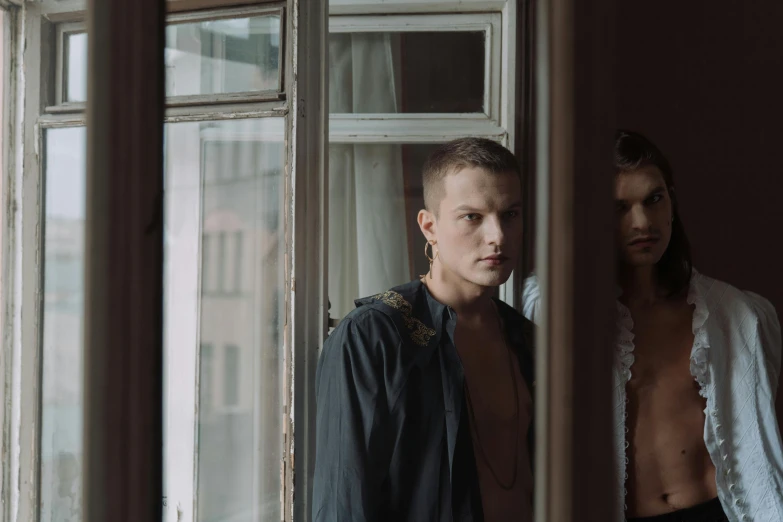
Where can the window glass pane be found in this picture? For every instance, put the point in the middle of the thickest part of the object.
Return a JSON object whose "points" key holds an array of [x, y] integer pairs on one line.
{"points": [[231, 376], [375, 194], [63, 261], [223, 180], [76, 82], [407, 72], [225, 189], [210, 57], [223, 56], [206, 382]]}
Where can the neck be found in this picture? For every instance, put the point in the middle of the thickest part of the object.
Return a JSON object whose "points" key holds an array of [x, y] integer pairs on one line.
{"points": [[640, 285], [467, 299]]}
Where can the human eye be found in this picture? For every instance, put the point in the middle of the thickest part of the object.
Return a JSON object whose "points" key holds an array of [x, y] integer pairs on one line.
{"points": [[471, 217]]}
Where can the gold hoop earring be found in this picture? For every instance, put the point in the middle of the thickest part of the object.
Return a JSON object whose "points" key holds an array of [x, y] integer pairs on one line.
{"points": [[430, 259]]}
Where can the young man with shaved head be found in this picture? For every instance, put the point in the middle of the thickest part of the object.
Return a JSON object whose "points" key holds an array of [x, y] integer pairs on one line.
{"points": [[423, 392]]}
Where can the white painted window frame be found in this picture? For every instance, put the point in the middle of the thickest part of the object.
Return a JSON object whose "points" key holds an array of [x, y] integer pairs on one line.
{"points": [[35, 28], [63, 29], [307, 319], [348, 7], [487, 23], [497, 17], [10, 407]]}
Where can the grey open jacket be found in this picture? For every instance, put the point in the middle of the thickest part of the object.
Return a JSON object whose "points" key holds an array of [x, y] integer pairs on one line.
{"points": [[392, 443]]}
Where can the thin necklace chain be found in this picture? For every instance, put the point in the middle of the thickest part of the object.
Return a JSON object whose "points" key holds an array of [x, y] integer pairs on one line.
{"points": [[516, 417]]}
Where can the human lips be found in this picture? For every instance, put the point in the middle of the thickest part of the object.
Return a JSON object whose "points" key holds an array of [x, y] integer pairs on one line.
{"points": [[495, 259], [644, 241]]}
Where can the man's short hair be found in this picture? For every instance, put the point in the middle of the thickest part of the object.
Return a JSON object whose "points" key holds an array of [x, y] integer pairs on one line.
{"points": [[460, 154]]}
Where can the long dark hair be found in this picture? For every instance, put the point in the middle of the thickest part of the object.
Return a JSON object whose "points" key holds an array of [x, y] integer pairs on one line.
{"points": [[633, 151]]}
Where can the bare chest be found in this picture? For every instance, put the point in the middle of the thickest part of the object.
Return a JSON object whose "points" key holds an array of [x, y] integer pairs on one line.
{"points": [[491, 373], [662, 350], [669, 463], [663, 396]]}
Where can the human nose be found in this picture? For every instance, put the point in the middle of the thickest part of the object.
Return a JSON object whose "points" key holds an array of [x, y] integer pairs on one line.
{"points": [[494, 231], [640, 220]]}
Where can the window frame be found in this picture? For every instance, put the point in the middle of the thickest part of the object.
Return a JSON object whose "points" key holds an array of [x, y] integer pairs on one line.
{"points": [[575, 265], [306, 319], [501, 17], [353, 7], [8, 401], [231, 13], [65, 10], [35, 46], [63, 32], [487, 23], [27, 273], [66, 28]]}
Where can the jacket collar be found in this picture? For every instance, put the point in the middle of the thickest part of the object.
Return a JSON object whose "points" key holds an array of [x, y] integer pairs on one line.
{"points": [[440, 317]]}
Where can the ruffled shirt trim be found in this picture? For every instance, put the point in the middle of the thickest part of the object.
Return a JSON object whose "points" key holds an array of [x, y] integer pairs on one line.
{"points": [[699, 353], [625, 336], [747, 457], [698, 363], [625, 357]]}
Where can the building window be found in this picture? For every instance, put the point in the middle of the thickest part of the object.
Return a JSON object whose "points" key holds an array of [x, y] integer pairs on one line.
{"points": [[231, 376], [207, 379]]}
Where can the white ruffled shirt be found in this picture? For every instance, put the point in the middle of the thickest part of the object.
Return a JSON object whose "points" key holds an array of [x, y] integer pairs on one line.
{"points": [[736, 358]]}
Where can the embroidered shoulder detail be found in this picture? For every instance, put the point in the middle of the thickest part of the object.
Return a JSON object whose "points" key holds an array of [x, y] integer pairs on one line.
{"points": [[624, 348], [699, 355], [420, 333]]}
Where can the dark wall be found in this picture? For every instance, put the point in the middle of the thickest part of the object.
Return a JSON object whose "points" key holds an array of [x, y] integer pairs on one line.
{"points": [[704, 80]]}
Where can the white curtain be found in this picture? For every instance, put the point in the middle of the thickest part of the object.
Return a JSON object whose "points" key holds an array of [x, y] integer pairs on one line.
{"points": [[368, 245]]}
